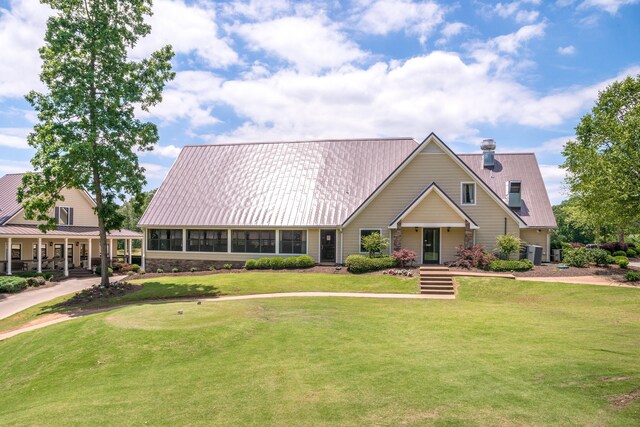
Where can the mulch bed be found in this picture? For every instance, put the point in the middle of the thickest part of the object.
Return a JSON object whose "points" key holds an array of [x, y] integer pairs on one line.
{"points": [[316, 269]]}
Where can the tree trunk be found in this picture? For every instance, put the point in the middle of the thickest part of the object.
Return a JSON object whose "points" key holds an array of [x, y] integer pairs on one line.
{"points": [[621, 234], [104, 260]]}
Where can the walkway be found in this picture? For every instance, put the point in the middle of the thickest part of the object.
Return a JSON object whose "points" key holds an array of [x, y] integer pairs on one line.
{"points": [[65, 317], [13, 304]]}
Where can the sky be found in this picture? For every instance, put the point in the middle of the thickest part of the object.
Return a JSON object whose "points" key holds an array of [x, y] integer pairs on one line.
{"points": [[520, 72]]}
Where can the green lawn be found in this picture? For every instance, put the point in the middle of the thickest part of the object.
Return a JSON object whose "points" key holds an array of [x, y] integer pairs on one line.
{"points": [[503, 353]]}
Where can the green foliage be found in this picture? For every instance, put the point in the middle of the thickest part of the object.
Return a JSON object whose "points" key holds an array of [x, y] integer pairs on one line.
{"points": [[622, 261], [99, 271], [159, 271], [601, 257], [568, 229], [36, 281], [602, 162], [12, 284], [133, 208], [227, 266], [193, 269], [87, 135], [134, 267], [578, 257], [374, 243], [175, 270], [46, 274], [508, 244], [632, 276], [510, 265], [619, 253], [263, 263], [250, 264], [631, 253], [361, 264], [278, 263]]}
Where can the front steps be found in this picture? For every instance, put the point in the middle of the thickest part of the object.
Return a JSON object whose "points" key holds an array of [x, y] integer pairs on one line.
{"points": [[436, 281]]}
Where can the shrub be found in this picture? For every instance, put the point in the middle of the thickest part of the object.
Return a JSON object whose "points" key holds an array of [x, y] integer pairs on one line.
{"points": [[99, 271], [99, 292], [277, 263], [263, 263], [510, 265], [619, 253], [193, 269], [36, 281], [305, 261], [361, 264], [508, 244], [405, 257], [291, 262], [399, 272], [475, 256], [47, 275], [631, 253], [227, 266], [134, 267], [141, 271], [11, 284], [212, 267], [632, 276], [374, 243], [251, 264], [130, 273], [175, 270], [622, 261], [578, 257], [615, 246], [159, 271], [600, 257]]}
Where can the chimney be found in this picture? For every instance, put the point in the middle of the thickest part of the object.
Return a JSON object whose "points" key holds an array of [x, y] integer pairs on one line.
{"points": [[488, 150]]}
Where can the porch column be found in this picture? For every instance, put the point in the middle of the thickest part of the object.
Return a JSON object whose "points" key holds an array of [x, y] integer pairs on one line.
{"points": [[39, 254], [89, 255], [9, 256], [66, 257], [397, 237], [142, 248], [129, 249], [111, 252], [468, 235]]}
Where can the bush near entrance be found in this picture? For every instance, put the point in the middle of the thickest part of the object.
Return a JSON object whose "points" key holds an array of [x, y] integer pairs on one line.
{"points": [[510, 265], [361, 264]]}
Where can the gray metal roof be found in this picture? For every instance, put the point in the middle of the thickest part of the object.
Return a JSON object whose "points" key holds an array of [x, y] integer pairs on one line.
{"points": [[305, 183], [9, 206], [536, 207]]}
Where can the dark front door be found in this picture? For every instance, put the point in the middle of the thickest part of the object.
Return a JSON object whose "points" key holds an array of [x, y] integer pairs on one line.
{"points": [[431, 246], [327, 245]]}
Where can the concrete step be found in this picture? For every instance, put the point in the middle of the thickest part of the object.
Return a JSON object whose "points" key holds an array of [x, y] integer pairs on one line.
{"points": [[438, 292], [439, 283], [436, 288], [437, 268]]}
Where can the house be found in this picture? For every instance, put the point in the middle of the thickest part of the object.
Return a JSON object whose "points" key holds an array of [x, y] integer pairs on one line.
{"points": [[26, 248], [233, 202]]}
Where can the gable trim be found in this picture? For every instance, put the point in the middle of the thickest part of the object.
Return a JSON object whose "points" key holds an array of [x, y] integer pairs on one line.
{"points": [[432, 137], [431, 188]]}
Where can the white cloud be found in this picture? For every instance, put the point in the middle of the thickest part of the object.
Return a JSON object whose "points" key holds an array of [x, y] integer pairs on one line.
{"points": [[418, 18], [14, 166], [610, 6], [511, 43], [567, 50], [188, 28], [14, 137], [259, 10], [310, 43], [154, 171], [169, 151], [449, 31], [516, 10]]}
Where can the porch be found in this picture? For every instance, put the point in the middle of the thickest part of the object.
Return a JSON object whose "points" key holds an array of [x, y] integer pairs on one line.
{"points": [[27, 249]]}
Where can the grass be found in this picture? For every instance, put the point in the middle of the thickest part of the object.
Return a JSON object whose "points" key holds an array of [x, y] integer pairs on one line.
{"points": [[504, 352], [213, 285]]}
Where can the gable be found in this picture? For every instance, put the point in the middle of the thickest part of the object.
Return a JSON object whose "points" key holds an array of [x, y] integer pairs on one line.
{"points": [[83, 214]]}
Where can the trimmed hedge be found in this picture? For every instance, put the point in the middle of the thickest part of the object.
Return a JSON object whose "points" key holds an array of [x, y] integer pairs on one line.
{"points": [[631, 253], [361, 264], [278, 263], [510, 265], [47, 275], [579, 257], [622, 261], [632, 276], [12, 284], [619, 253], [99, 271]]}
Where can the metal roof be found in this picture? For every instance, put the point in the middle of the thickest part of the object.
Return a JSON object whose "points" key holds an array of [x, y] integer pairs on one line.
{"points": [[536, 208], [9, 206], [305, 183], [65, 231]]}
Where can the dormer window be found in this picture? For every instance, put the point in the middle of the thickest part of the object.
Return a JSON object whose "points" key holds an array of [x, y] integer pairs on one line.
{"points": [[514, 194], [64, 215]]}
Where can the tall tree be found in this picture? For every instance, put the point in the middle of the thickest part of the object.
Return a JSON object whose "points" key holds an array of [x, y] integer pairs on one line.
{"points": [[133, 208], [87, 136], [603, 163]]}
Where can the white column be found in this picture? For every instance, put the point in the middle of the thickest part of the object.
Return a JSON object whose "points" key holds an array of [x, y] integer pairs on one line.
{"points": [[129, 250], [228, 240], [66, 258], [143, 249], [110, 251], [277, 242], [9, 256], [39, 254], [89, 255], [184, 240]]}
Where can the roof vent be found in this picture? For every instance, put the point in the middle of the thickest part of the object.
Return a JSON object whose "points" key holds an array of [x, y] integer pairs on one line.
{"points": [[488, 150]]}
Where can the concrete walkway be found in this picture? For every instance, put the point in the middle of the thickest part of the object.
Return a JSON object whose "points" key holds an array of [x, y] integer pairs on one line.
{"points": [[65, 317], [580, 280], [13, 304]]}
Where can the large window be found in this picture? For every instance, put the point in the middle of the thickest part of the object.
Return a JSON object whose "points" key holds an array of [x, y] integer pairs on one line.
{"points": [[16, 251], [293, 242], [367, 232], [468, 193], [253, 241], [165, 240], [64, 215], [43, 249], [207, 241]]}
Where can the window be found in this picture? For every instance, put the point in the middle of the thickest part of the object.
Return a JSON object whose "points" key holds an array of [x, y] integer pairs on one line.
{"points": [[293, 241], [165, 240], [367, 232], [468, 193], [16, 251], [207, 241], [57, 250], [43, 249], [253, 241], [64, 215]]}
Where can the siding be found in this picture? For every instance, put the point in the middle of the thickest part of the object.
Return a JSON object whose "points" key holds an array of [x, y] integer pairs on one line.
{"points": [[413, 179], [532, 237], [433, 210], [83, 214]]}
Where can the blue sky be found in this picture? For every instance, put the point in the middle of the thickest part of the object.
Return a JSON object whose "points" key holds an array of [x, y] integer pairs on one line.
{"points": [[521, 72]]}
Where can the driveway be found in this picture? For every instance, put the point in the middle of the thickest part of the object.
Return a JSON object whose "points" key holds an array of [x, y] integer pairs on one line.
{"points": [[12, 304]]}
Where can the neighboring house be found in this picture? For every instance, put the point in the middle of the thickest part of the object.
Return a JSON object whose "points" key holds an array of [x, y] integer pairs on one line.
{"points": [[26, 248], [233, 202]]}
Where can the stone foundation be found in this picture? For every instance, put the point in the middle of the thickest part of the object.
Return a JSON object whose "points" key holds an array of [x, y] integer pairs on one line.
{"points": [[152, 265], [397, 238]]}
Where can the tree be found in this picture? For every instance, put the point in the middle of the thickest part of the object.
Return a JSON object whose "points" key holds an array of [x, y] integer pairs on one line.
{"points": [[603, 163], [508, 244], [572, 227], [133, 208], [374, 243], [87, 135]]}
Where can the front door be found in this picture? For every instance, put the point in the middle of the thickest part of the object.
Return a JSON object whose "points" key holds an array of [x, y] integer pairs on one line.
{"points": [[431, 246], [328, 246]]}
